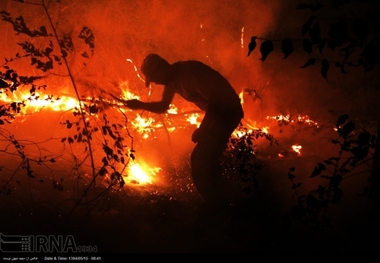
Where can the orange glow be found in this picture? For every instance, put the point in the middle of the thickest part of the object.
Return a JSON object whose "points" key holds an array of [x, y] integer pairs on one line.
{"points": [[38, 102], [251, 128], [300, 119], [144, 126], [241, 96], [193, 119], [297, 149], [140, 173], [264, 129], [172, 109], [242, 38], [135, 68]]}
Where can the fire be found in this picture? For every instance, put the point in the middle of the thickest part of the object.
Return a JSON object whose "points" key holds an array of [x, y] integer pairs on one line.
{"points": [[297, 148], [144, 126], [298, 119], [241, 97], [193, 119], [127, 95], [238, 133], [172, 109], [141, 174], [38, 102]]}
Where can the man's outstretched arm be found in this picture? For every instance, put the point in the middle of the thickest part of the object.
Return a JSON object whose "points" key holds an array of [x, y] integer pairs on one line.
{"points": [[156, 106]]}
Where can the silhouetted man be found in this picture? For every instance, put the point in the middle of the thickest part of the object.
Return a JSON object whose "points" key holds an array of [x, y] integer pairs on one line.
{"points": [[212, 93]]}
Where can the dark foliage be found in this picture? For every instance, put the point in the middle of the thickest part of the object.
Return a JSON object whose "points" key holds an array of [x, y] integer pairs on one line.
{"points": [[240, 159], [355, 148], [355, 39]]}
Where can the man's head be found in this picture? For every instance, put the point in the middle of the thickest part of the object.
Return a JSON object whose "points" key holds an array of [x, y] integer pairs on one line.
{"points": [[155, 69]]}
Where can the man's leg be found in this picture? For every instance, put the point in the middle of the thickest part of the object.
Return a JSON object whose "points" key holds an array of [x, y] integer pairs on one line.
{"points": [[205, 163]]}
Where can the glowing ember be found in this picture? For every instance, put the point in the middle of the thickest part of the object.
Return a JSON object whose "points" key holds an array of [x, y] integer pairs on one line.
{"points": [[144, 125], [297, 149], [298, 119], [242, 38]]}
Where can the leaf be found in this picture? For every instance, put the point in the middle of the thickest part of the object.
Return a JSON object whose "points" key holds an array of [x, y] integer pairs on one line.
{"points": [[315, 33], [307, 46], [347, 129], [291, 176], [322, 44], [94, 109], [342, 119], [252, 45], [318, 169], [43, 30], [103, 171], [311, 61], [107, 150], [307, 25], [325, 67], [265, 49], [3, 84], [287, 47], [88, 37], [345, 163]]}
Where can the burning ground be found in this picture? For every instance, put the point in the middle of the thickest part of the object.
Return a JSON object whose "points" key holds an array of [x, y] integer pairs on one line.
{"points": [[75, 161]]}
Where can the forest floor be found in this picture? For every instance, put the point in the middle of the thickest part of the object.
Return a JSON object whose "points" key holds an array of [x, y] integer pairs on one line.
{"points": [[170, 221], [160, 223]]}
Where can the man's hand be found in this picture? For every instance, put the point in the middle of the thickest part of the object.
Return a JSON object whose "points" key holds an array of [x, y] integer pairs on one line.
{"points": [[133, 104], [197, 135]]}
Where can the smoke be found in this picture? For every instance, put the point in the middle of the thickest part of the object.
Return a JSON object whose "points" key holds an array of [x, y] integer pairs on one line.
{"points": [[214, 32]]}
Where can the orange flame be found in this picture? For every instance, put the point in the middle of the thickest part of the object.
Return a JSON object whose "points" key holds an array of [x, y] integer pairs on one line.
{"points": [[172, 109], [193, 119], [38, 102], [140, 173], [297, 148], [300, 118]]}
